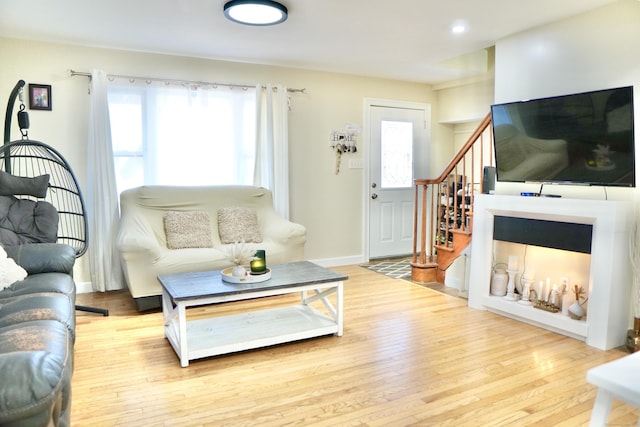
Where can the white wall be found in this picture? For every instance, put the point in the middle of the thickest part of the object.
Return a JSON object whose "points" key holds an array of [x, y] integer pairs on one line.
{"points": [[328, 205], [595, 50]]}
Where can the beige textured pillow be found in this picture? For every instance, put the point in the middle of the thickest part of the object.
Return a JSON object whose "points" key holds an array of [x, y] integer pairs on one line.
{"points": [[190, 229], [238, 224]]}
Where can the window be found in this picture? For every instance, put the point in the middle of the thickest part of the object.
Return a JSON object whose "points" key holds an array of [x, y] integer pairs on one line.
{"points": [[396, 146], [172, 135]]}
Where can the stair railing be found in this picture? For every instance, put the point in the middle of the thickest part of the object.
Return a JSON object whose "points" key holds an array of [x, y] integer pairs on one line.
{"points": [[444, 205]]}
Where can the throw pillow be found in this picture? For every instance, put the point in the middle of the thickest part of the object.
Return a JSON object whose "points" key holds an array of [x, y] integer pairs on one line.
{"points": [[26, 221], [238, 224], [189, 229], [10, 272], [11, 185]]}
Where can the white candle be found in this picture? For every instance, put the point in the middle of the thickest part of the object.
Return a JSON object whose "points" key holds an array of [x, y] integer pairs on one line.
{"points": [[553, 299], [547, 289], [529, 274], [513, 262], [540, 285]]}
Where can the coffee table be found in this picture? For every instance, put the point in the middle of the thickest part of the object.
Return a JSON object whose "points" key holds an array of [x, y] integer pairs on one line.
{"points": [[215, 335], [619, 379]]}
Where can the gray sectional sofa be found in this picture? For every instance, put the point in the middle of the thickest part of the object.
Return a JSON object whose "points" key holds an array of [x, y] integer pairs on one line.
{"points": [[37, 316], [37, 334]]}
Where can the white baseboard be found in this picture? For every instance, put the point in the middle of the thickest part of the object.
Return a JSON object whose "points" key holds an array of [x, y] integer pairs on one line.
{"points": [[336, 262], [84, 287]]}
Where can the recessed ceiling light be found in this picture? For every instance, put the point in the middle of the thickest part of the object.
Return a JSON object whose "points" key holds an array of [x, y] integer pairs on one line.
{"points": [[255, 12], [458, 29], [459, 26]]}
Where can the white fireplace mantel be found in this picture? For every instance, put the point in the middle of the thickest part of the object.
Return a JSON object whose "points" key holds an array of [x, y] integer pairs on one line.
{"points": [[609, 284]]}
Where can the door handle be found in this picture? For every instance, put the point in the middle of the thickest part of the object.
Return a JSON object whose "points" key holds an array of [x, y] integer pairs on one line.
{"points": [[374, 196]]}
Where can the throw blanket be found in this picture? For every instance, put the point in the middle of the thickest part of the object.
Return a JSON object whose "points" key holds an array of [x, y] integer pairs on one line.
{"points": [[26, 221]]}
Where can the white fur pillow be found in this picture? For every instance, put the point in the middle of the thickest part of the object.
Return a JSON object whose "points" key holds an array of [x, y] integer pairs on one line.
{"points": [[189, 229], [238, 224], [10, 272]]}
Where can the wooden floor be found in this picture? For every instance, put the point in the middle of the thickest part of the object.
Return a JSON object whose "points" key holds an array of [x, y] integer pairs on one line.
{"points": [[409, 356]]}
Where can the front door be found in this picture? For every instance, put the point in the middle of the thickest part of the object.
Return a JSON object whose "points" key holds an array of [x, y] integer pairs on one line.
{"points": [[399, 142]]}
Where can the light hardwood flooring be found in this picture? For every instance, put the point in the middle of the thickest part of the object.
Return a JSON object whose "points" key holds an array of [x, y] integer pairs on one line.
{"points": [[409, 356]]}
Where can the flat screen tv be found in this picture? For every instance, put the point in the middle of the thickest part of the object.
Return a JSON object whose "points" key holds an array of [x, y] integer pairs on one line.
{"points": [[584, 138]]}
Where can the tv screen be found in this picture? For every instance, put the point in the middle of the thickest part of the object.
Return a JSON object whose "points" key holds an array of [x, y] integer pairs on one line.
{"points": [[584, 138]]}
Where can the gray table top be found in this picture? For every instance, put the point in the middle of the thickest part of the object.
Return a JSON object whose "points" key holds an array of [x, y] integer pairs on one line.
{"points": [[210, 283]]}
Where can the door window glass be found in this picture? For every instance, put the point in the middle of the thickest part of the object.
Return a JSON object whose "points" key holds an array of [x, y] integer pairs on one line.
{"points": [[396, 154]]}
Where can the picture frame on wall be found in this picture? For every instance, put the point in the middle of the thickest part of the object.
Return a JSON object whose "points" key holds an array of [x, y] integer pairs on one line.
{"points": [[39, 97]]}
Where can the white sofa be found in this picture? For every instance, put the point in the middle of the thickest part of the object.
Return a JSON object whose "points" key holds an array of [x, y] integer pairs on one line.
{"points": [[142, 240]]}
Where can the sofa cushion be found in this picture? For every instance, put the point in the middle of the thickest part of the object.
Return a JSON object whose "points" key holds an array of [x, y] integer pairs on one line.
{"points": [[238, 224], [42, 283], [26, 221], [189, 229], [11, 185], [35, 367], [38, 306]]}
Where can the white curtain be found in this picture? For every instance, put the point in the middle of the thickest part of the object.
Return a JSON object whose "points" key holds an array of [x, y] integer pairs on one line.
{"points": [[101, 195], [272, 144]]}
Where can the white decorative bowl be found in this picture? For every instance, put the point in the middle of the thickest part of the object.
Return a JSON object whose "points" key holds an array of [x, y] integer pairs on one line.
{"points": [[248, 278]]}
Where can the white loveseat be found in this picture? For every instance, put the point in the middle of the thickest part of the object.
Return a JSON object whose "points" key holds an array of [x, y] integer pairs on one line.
{"points": [[142, 238]]}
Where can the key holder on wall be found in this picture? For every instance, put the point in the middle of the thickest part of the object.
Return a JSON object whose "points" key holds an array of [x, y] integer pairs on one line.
{"points": [[344, 141]]}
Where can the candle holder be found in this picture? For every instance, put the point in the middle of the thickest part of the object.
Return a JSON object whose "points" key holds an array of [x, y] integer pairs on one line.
{"points": [[542, 303], [511, 285], [526, 292], [258, 264]]}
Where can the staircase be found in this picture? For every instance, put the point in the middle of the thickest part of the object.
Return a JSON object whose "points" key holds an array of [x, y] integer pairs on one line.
{"points": [[443, 208]]}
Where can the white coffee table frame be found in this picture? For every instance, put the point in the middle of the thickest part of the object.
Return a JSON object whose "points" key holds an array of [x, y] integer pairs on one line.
{"points": [[216, 335], [619, 379]]}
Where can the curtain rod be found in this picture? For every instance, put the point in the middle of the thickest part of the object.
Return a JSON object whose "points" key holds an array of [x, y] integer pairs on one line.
{"points": [[73, 73]]}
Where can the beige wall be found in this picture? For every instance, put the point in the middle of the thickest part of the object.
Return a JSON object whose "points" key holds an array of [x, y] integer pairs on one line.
{"points": [[328, 205]]}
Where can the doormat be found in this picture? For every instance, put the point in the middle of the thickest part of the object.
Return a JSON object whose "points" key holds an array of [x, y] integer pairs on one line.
{"points": [[398, 269], [401, 269]]}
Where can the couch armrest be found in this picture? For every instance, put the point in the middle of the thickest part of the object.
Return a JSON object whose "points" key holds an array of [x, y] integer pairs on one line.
{"points": [[38, 258], [30, 382], [282, 230], [131, 241]]}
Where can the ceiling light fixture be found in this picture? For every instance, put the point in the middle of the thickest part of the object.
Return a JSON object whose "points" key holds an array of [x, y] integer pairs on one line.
{"points": [[255, 12], [459, 26]]}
